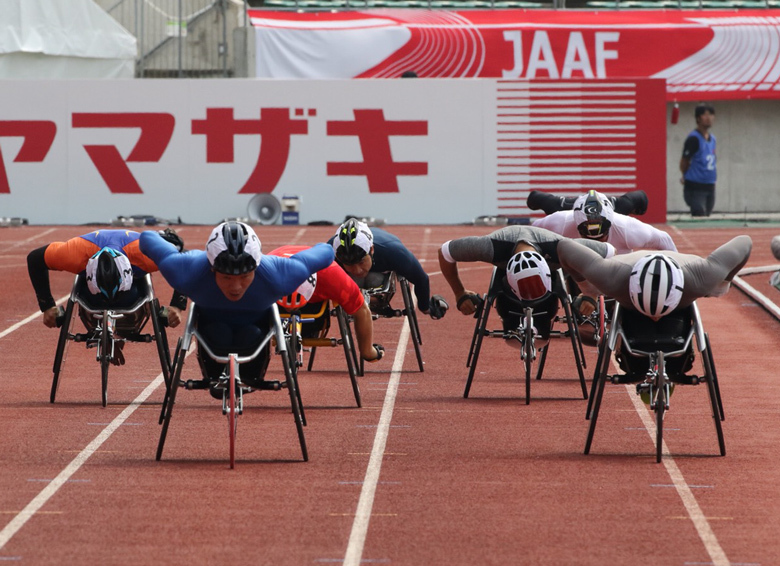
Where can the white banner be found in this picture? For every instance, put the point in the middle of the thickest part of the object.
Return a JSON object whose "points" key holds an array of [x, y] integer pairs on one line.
{"points": [[424, 151]]}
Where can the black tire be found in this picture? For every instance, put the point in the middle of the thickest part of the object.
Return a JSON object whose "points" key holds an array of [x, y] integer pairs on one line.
{"points": [[349, 351], [297, 410], [178, 365]]}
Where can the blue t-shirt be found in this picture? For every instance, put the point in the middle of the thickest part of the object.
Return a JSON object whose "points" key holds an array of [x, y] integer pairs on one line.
{"points": [[190, 273], [701, 152]]}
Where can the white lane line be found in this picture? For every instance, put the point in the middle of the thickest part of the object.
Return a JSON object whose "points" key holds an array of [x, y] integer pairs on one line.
{"points": [[695, 513], [757, 296], [30, 318], [31, 238], [357, 538], [48, 492]]}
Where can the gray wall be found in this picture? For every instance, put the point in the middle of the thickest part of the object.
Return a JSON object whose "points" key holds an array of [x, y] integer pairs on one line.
{"points": [[748, 155]]}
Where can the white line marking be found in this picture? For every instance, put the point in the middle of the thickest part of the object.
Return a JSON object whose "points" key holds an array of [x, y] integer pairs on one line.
{"points": [[31, 238], [757, 296], [48, 492], [700, 522], [30, 318], [357, 537]]}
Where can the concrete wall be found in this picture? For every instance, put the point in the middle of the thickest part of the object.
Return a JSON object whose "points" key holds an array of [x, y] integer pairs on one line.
{"points": [[748, 155]]}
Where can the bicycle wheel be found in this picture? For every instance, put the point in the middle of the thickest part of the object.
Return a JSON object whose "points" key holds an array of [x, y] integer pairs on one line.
{"points": [[232, 410], [528, 347], [106, 345], [660, 406]]}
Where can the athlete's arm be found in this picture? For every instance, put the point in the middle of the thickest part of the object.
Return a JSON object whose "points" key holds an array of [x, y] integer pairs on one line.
{"points": [[364, 332], [403, 262]]}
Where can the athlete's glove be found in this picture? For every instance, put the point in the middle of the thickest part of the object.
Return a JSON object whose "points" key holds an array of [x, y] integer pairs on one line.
{"points": [[380, 351], [438, 307], [475, 299], [170, 236]]}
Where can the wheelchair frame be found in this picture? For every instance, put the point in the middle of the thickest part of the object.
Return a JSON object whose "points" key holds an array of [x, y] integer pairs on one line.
{"points": [[230, 380], [524, 334], [292, 321], [656, 383], [103, 337], [409, 311]]}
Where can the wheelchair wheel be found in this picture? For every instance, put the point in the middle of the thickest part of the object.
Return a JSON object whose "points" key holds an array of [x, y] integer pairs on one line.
{"points": [[295, 353], [161, 340], [660, 405], [296, 408], [106, 347], [62, 348], [528, 351], [602, 321], [482, 314], [170, 398], [349, 351], [411, 315], [232, 415], [714, 393]]}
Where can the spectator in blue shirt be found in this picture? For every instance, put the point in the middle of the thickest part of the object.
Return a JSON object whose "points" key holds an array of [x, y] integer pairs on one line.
{"points": [[698, 164]]}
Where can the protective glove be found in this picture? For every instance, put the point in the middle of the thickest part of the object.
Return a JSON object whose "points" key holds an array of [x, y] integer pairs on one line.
{"points": [[380, 351], [475, 299], [438, 307], [170, 236]]}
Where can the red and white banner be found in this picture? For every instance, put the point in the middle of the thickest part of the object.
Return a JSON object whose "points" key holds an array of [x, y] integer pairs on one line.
{"points": [[701, 54], [411, 152]]}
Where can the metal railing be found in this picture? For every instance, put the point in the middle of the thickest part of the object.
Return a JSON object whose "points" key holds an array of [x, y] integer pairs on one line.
{"points": [[180, 38]]}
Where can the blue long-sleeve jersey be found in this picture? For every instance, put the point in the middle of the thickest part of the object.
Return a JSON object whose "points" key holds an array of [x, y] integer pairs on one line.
{"points": [[190, 273], [391, 255]]}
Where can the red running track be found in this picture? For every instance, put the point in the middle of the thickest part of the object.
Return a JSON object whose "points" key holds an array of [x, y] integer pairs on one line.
{"points": [[452, 481]]}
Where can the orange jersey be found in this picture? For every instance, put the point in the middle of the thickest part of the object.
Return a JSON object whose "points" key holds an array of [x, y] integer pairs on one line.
{"points": [[74, 254], [333, 283]]}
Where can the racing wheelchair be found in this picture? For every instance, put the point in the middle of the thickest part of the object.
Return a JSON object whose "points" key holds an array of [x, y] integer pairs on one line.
{"points": [[308, 326], [656, 356], [109, 327], [229, 382], [544, 310], [380, 293]]}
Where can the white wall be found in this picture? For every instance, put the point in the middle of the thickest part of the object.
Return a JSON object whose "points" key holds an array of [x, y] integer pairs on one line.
{"points": [[87, 172]]}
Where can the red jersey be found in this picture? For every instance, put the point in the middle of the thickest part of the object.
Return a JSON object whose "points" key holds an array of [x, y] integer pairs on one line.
{"points": [[333, 283]]}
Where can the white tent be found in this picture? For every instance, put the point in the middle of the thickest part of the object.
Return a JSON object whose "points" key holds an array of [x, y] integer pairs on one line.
{"points": [[56, 39]]}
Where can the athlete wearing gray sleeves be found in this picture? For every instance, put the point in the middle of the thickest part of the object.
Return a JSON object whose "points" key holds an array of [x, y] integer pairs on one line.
{"points": [[497, 248], [702, 277]]}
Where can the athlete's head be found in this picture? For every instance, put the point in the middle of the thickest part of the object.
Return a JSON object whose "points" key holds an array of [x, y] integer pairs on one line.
{"points": [[656, 285], [593, 214], [108, 273], [353, 246], [528, 276], [234, 251], [298, 298]]}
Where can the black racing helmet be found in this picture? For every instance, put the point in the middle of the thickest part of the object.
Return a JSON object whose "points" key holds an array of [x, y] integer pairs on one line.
{"points": [[352, 242], [233, 248]]}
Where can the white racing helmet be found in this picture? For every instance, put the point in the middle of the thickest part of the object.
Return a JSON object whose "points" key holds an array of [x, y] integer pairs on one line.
{"points": [[529, 276], [593, 214], [656, 285]]}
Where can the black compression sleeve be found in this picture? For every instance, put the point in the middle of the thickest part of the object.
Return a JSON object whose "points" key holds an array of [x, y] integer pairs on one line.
{"points": [[39, 277]]}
